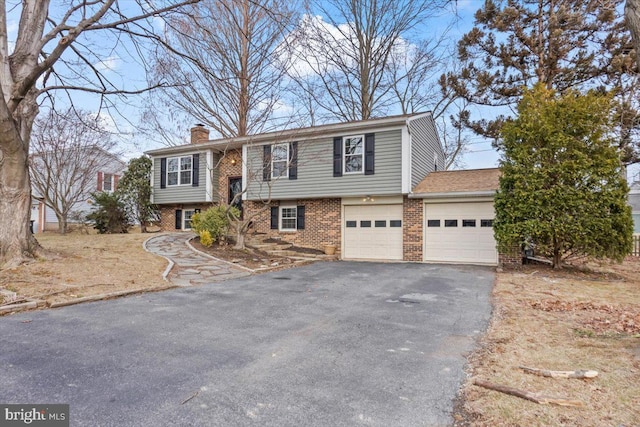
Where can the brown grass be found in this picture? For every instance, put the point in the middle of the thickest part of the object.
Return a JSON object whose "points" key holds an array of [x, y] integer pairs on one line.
{"points": [[587, 318], [84, 265]]}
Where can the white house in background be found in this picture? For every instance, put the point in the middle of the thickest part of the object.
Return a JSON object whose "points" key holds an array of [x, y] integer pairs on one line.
{"points": [[104, 177]]}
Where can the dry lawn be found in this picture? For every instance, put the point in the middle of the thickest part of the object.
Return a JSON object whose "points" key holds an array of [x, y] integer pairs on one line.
{"points": [[85, 265], [566, 320]]}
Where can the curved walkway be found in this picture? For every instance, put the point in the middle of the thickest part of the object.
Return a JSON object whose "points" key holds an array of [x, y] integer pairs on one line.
{"points": [[188, 267]]}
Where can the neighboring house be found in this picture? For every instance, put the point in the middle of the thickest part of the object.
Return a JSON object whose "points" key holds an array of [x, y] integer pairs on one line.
{"points": [[634, 201], [358, 185], [106, 170]]}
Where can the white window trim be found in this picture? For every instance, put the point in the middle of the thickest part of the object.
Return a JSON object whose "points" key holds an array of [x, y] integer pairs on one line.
{"points": [[280, 217], [286, 169], [111, 181], [184, 218], [344, 155], [180, 170]]}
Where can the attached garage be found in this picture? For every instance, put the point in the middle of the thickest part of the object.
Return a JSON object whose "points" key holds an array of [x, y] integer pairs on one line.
{"points": [[458, 216], [459, 233], [372, 231]]}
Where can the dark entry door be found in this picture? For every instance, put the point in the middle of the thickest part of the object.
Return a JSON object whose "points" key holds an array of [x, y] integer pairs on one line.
{"points": [[235, 187]]}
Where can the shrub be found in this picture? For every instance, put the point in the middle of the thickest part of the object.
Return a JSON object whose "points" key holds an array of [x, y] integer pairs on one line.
{"points": [[205, 238], [109, 216], [215, 220]]}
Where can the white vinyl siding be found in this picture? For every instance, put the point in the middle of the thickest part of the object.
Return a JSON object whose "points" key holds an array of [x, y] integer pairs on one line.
{"points": [[426, 150], [187, 193], [315, 172]]}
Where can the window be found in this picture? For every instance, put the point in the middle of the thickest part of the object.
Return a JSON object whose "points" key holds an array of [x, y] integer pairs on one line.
{"points": [[450, 222], [486, 223], [352, 224], [288, 218], [279, 160], [179, 170], [395, 223], [107, 182], [433, 223], [353, 154], [468, 222], [365, 224], [187, 214], [636, 222], [380, 223]]}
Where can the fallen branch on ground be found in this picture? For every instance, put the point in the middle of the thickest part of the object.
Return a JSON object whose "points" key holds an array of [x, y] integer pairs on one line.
{"points": [[582, 373], [527, 395]]}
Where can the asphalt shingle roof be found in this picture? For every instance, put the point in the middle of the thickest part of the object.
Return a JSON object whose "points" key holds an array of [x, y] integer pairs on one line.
{"points": [[459, 181]]}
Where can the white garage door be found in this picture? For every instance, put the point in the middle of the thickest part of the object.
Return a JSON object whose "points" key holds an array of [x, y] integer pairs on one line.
{"points": [[460, 233], [373, 232]]}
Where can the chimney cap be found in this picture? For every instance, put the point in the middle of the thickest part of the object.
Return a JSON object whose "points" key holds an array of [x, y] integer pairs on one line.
{"points": [[200, 125]]}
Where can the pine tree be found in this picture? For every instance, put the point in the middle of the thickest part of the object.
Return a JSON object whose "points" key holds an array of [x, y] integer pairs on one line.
{"points": [[561, 44], [135, 191], [562, 189]]}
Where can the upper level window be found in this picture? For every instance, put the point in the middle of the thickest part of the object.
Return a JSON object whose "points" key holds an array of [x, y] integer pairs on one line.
{"points": [[280, 160], [107, 182], [179, 170], [353, 154]]}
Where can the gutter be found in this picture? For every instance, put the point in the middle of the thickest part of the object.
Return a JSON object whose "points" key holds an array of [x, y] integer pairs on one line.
{"points": [[453, 195]]}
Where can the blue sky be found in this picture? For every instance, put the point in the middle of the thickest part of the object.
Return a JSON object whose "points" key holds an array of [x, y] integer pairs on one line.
{"points": [[120, 67]]}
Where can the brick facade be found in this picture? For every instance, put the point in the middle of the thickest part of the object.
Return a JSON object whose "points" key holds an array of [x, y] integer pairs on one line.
{"points": [[323, 219], [512, 257], [412, 232], [230, 166], [168, 214]]}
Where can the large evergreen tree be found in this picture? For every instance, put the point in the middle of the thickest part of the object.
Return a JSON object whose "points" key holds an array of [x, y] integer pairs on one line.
{"points": [[135, 191], [561, 188], [562, 44]]}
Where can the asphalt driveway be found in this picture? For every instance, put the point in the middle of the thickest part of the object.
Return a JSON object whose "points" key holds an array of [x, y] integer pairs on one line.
{"points": [[330, 344]]}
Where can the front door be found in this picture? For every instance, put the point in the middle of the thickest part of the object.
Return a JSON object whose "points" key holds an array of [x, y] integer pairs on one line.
{"points": [[235, 188]]}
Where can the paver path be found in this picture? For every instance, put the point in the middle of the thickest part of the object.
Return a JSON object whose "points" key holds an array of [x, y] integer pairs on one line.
{"points": [[190, 267]]}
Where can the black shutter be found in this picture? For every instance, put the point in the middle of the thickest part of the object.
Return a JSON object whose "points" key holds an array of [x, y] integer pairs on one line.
{"points": [[266, 163], [274, 217], [300, 217], [293, 162], [163, 172], [369, 154], [178, 219], [337, 156], [195, 170]]}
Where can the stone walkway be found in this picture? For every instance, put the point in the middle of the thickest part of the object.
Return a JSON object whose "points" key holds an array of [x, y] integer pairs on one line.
{"points": [[188, 267]]}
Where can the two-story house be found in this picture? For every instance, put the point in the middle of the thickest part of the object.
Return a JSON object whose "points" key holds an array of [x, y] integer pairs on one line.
{"points": [[348, 184], [65, 180]]}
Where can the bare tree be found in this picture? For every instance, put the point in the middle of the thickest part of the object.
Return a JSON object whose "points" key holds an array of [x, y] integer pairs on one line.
{"points": [[221, 67], [68, 152], [351, 53], [48, 38]]}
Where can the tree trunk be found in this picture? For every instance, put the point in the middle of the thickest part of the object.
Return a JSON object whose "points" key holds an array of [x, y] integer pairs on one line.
{"points": [[143, 227], [62, 224], [240, 233], [16, 243]]}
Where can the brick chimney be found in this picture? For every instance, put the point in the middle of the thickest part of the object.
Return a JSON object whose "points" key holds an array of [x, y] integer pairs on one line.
{"points": [[199, 133]]}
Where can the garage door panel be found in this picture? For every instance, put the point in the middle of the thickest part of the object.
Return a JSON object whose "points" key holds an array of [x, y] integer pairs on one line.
{"points": [[473, 244], [382, 242]]}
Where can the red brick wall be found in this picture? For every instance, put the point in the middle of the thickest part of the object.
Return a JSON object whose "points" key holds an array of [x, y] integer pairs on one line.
{"points": [[168, 214], [412, 229], [323, 219], [511, 257], [229, 166]]}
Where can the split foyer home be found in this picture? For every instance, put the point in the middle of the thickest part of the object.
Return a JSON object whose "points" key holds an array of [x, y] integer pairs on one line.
{"points": [[375, 188]]}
